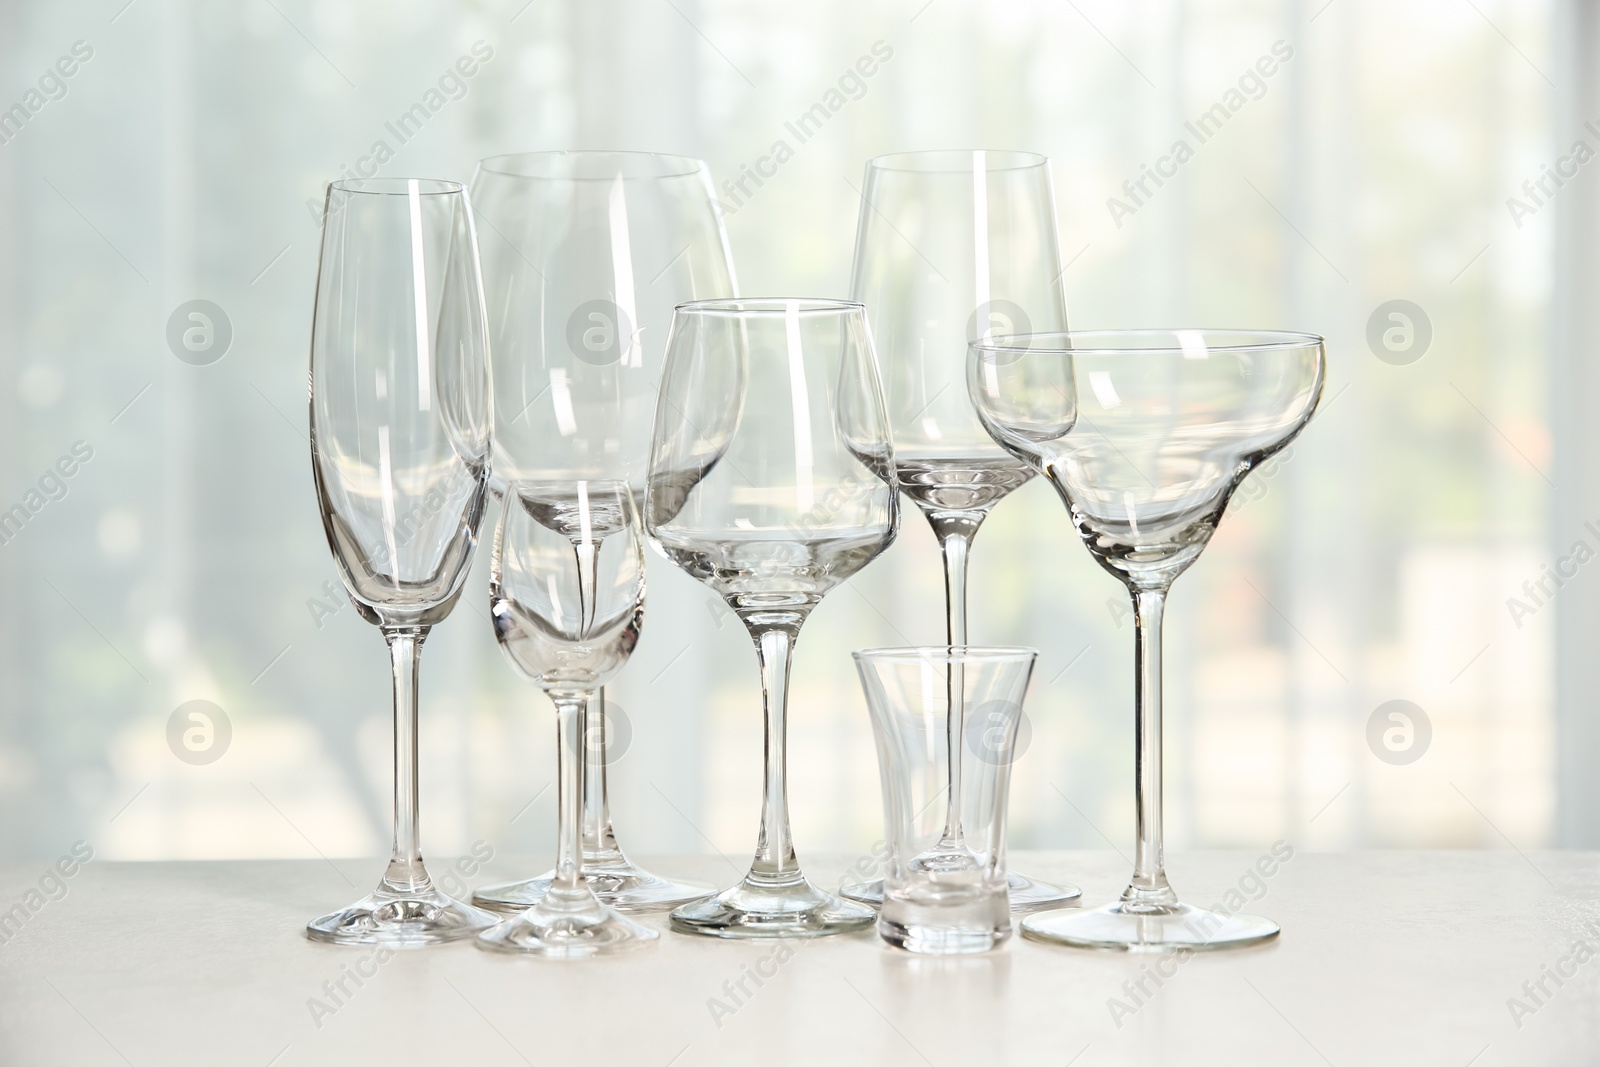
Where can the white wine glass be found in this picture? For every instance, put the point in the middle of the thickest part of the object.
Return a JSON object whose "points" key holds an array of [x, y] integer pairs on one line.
{"points": [[953, 247]]}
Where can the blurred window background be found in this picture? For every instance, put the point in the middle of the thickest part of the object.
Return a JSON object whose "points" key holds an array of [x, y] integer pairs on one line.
{"points": [[1339, 155]]}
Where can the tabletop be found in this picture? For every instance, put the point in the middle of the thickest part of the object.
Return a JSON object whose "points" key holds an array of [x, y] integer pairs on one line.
{"points": [[1449, 958]]}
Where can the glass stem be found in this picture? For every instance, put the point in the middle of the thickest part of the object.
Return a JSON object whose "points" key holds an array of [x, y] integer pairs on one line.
{"points": [[599, 843], [955, 547], [570, 712], [775, 862], [406, 873], [587, 555], [1148, 891]]}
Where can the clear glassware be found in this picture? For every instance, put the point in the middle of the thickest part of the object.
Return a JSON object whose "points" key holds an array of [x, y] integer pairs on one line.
{"points": [[771, 481], [400, 452], [566, 589], [952, 247], [1146, 446], [945, 889], [585, 256]]}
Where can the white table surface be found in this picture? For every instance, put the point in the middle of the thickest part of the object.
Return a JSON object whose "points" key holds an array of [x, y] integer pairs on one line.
{"points": [[1385, 958]]}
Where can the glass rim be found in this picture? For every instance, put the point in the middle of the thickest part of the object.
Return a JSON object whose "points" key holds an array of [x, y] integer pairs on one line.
{"points": [[636, 165], [924, 161], [909, 653], [602, 485], [1113, 342], [396, 186], [739, 306]]}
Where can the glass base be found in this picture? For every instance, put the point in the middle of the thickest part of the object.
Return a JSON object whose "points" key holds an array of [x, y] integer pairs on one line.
{"points": [[1026, 894], [568, 924], [1179, 926], [941, 940], [401, 920], [618, 884], [787, 909], [949, 918]]}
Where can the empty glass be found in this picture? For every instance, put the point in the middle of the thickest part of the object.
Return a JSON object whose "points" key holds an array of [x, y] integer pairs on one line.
{"points": [[400, 452], [945, 768], [771, 481], [952, 247], [585, 256], [566, 588], [1146, 445]]}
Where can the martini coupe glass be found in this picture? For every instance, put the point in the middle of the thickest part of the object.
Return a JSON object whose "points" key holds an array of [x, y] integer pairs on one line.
{"points": [[1146, 444]]}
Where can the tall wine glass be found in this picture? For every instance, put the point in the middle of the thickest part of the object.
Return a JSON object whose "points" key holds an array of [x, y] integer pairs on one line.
{"points": [[585, 256], [771, 481], [952, 247], [1154, 432], [566, 588], [400, 453]]}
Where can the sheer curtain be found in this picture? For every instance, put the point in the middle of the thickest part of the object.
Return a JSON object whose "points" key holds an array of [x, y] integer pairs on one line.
{"points": [[184, 559]]}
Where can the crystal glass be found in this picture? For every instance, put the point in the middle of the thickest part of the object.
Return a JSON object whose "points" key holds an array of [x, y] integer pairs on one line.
{"points": [[945, 885], [1155, 432], [952, 247], [400, 453], [566, 589], [771, 481], [585, 256]]}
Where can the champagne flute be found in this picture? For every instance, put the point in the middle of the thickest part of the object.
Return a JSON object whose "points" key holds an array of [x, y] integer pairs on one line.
{"points": [[400, 451], [951, 247], [771, 481], [586, 254], [1146, 444], [566, 588]]}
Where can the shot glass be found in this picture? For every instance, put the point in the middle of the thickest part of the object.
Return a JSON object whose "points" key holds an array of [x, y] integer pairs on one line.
{"points": [[945, 720]]}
